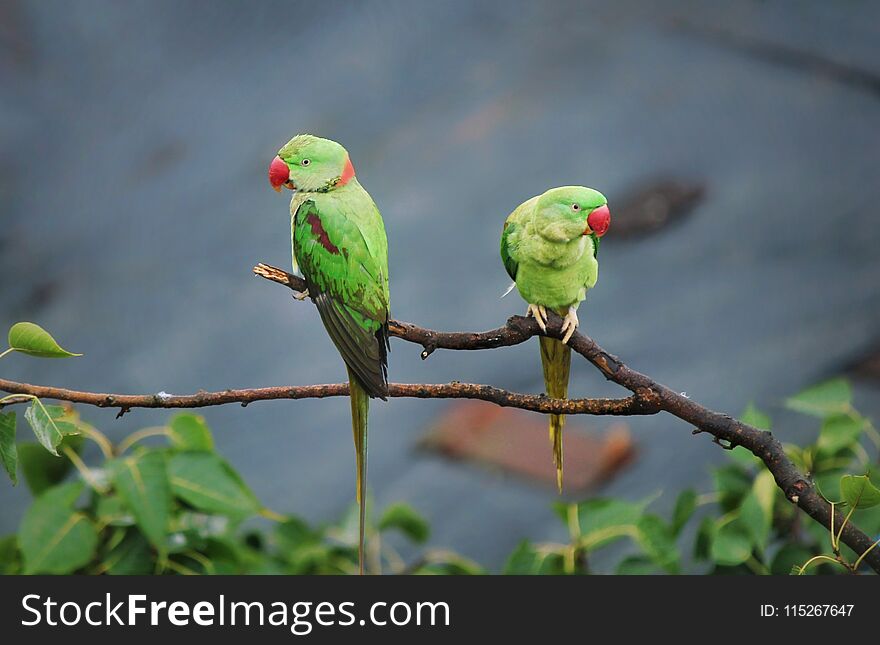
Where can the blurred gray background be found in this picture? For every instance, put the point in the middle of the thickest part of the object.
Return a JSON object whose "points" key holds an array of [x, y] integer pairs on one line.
{"points": [[134, 140]]}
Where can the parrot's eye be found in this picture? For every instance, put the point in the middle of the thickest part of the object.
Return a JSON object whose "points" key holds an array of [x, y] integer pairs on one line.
{"points": [[575, 207], [305, 162]]}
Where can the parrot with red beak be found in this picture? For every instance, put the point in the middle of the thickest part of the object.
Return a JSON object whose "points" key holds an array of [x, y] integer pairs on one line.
{"points": [[340, 246], [550, 247]]}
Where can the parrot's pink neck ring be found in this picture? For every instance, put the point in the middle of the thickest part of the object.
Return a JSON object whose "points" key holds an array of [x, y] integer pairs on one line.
{"points": [[347, 173]]}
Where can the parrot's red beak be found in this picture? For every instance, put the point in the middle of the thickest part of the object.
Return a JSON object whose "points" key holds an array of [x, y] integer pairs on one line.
{"points": [[279, 174], [599, 221]]}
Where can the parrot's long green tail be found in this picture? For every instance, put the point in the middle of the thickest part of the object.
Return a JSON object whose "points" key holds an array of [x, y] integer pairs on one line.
{"points": [[556, 361], [360, 407]]}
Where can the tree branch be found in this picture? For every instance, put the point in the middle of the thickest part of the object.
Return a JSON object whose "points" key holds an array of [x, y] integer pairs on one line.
{"points": [[726, 431], [631, 405], [648, 397]]}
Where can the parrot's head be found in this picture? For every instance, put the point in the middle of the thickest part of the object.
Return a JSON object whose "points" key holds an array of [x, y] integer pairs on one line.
{"points": [[310, 164], [567, 213]]}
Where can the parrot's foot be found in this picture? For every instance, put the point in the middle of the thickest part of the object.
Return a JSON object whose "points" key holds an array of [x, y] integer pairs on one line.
{"points": [[569, 324], [540, 314], [301, 295]]}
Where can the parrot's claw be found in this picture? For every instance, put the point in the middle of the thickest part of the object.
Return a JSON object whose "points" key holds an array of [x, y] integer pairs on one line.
{"points": [[540, 315], [301, 295], [569, 324]]}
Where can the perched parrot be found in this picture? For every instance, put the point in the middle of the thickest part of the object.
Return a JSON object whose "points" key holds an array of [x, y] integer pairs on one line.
{"points": [[339, 244], [550, 246]]}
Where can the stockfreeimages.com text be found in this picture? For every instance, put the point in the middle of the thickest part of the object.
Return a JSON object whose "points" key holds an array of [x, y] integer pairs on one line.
{"points": [[299, 617]]}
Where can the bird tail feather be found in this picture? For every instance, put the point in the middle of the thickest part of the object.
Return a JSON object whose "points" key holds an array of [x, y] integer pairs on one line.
{"points": [[360, 407], [556, 361]]}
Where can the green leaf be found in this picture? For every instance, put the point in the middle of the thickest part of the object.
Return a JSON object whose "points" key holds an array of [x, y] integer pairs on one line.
{"points": [[112, 511], [705, 536], [404, 518], [207, 482], [801, 457], [8, 451], [754, 417], [190, 432], [764, 491], [41, 469], [658, 542], [752, 517], [31, 339], [743, 457], [790, 555], [839, 431], [733, 484], [48, 426], [603, 521], [293, 536], [141, 481], [10, 558], [859, 492], [869, 519], [756, 510], [827, 482], [451, 565], [53, 537], [306, 555], [685, 506], [226, 555], [636, 565], [130, 557], [732, 544], [830, 397], [65, 494], [528, 560]]}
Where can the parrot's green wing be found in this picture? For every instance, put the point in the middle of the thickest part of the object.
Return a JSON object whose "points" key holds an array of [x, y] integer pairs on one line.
{"points": [[514, 227], [349, 285], [510, 264]]}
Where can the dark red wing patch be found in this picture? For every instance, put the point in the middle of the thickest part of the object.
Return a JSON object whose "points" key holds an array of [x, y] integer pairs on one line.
{"points": [[318, 230]]}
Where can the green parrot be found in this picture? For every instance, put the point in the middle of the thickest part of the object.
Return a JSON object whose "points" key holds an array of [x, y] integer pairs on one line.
{"points": [[550, 246], [339, 244]]}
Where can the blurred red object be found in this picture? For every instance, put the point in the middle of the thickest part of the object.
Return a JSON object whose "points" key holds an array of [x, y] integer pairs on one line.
{"points": [[517, 442]]}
